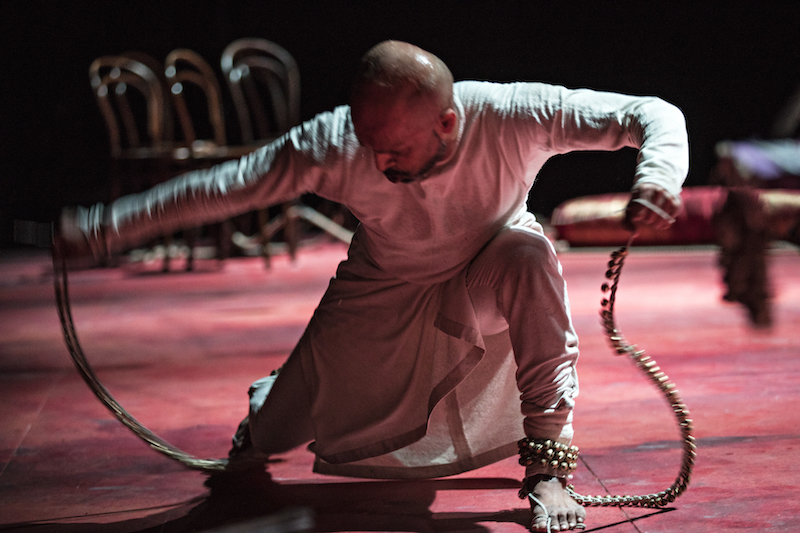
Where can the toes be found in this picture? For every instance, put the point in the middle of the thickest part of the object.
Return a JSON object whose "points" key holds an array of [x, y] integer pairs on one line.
{"points": [[580, 516], [561, 513], [561, 521], [540, 519], [539, 523], [557, 523], [571, 520]]}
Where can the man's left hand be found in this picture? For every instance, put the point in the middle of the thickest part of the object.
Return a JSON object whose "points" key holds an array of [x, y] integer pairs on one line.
{"points": [[651, 205]]}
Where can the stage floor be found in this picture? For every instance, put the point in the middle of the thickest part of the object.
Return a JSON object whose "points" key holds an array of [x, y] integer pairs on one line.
{"points": [[179, 350]]}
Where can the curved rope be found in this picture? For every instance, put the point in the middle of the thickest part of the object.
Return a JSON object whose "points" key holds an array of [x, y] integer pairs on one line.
{"points": [[91, 379], [617, 340], [661, 381]]}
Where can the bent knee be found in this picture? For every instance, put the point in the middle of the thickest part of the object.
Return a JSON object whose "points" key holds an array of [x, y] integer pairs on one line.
{"points": [[514, 253], [514, 243], [513, 249]]}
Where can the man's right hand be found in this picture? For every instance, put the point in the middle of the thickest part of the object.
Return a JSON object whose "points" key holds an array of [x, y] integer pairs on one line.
{"points": [[653, 206]]}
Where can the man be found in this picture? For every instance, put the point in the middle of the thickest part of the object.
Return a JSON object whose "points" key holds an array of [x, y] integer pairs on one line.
{"points": [[450, 294]]}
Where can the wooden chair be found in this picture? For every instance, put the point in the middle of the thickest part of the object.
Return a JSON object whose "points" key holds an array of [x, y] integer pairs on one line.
{"points": [[186, 70], [130, 95], [264, 83], [132, 102], [259, 71], [201, 140], [131, 92]]}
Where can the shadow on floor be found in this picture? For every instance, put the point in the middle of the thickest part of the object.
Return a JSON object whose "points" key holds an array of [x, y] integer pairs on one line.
{"points": [[253, 502]]}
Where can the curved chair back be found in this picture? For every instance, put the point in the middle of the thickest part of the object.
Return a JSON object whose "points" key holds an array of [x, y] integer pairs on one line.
{"points": [[259, 71], [112, 79], [184, 68]]}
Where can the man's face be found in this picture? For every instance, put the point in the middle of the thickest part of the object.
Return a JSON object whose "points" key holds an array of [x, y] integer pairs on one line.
{"points": [[402, 137], [402, 165]]}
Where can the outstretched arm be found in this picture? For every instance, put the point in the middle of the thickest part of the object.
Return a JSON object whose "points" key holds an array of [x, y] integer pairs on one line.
{"points": [[280, 171]]}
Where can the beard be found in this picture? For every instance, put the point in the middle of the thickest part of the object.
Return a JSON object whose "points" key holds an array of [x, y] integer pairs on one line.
{"points": [[398, 176]]}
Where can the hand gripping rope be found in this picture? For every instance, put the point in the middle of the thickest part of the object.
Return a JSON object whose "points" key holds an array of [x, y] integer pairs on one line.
{"points": [[617, 340]]}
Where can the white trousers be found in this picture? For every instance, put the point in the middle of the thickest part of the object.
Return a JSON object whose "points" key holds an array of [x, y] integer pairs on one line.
{"points": [[515, 283]]}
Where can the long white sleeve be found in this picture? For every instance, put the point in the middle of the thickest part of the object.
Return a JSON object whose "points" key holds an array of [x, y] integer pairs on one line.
{"points": [[292, 165]]}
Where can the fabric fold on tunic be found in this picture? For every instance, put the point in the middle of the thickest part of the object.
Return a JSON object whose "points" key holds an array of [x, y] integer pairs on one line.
{"points": [[404, 347], [475, 420]]}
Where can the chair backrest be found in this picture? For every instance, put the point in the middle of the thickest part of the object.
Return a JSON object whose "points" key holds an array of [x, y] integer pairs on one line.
{"points": [[158, 68], [259, 71], [196, 96], [131, 99]]}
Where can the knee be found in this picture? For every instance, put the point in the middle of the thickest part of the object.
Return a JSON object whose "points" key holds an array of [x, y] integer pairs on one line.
{"points": [[523, 251], [516, 260]]}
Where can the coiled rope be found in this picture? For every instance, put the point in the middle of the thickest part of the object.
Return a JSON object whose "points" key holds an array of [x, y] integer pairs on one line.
{"points": [[91, 379], [656, 376]]}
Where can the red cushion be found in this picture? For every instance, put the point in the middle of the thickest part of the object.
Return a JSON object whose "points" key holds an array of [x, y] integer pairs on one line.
{"points": [[597, 220]]}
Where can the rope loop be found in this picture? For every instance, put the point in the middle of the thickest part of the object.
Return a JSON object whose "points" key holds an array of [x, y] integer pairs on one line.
{"points": [[657, 377], [102, 394]]}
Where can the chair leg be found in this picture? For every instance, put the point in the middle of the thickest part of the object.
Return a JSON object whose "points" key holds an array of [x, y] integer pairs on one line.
{"points": [[263, 223], [191, 237], [290, 229], [165, 264], [224, 234]]}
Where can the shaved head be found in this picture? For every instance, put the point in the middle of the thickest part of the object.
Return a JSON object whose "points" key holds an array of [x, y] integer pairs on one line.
{"points": [[403, 70]]}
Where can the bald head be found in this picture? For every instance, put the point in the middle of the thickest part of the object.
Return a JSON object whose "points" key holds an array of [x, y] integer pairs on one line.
{"points": [[403, 70]]}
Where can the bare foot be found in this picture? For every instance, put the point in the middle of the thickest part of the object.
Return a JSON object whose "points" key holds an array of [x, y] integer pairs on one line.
{"points": [[553, 502]]}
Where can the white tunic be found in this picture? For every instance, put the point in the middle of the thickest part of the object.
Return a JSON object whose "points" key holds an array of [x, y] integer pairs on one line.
{"points": [[390, 351]]}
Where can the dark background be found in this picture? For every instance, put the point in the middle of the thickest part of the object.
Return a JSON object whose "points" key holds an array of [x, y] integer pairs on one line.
{"points": [[729, 65]]}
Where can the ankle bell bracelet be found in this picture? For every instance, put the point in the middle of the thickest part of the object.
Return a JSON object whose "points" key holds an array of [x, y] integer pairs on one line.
{"points": [[557, 457]]}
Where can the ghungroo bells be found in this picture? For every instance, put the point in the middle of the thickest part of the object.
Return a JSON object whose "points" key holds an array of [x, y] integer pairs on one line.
{"points": [[553, 455]]}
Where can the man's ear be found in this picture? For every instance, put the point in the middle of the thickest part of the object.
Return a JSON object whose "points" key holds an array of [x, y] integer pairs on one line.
{"points": [[448, 121]]}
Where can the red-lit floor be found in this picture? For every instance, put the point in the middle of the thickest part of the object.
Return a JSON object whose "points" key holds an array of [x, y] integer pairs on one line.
{"points": [[179, 351]]}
